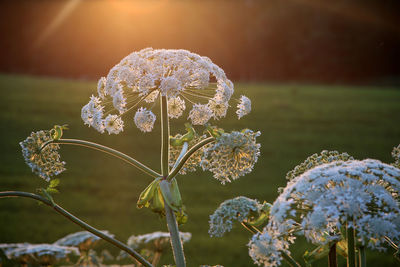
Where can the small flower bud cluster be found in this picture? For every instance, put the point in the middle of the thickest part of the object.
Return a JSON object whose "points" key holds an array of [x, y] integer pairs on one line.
{"points": [[237, 209], [362, 195], [141, 77], [396, 156], [233, 155], [43, 162]]}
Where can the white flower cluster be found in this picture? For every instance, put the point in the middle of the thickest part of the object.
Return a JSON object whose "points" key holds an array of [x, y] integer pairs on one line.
{"points": [[233, 155], [359, 194], [140, 78], [43, 254], [43, 162], [157, 241], [84, 240], [236, 209]]}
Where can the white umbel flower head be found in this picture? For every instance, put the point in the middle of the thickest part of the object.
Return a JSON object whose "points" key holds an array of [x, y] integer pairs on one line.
{"points": [[41, 254], [200, 114], [232, 155], [176, 106], [142, 77], [113, 124], [237, 209], [83, 240], [44, 162], [244, 106], [362, 195], [144, 119]]}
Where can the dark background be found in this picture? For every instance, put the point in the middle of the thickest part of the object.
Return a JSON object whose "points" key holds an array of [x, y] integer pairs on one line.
{"points": [[341, 41]]}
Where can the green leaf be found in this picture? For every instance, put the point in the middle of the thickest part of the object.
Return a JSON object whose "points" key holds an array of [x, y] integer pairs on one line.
{"points": [[54, 183]]}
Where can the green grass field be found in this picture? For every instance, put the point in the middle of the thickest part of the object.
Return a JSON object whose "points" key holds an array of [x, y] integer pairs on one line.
{"points": [[295, 120]]}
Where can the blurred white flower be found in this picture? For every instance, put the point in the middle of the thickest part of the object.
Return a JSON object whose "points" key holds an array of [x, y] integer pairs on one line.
{"points": [[83, 240], [200, 114], [244, 106]]}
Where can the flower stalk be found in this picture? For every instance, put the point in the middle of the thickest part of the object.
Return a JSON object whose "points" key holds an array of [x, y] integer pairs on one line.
{"points": [[176, 243], [351, 258], [79, 222], [362, 256], [107, 150], [332, 262]]}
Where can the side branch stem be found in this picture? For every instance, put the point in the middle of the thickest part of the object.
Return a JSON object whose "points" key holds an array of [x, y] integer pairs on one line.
{"points": [[79, 222], [107, 150], [176, 242], [351, 258], [187, 155]]}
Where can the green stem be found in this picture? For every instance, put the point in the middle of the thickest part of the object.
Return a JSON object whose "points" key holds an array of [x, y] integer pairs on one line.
{"points": [[290, 260], [351, 253], [79, 222], [107, 150], [184, 149], [362, 256], [176, 242], [187, 155], [332, 259]]}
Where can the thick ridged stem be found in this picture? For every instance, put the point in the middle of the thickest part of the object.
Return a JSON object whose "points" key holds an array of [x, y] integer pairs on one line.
{"points": [[187, 155], [79, 222], [351, 253], [176, 242], [362, 256], [107, 150], [332, 262]]}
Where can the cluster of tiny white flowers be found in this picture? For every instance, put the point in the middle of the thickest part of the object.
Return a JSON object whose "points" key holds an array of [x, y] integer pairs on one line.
{"points": [[83, 240], [244, 106], [232, 155], [193, 161], [396, 156], [317, 159], [141, 77], [266, 248], [43, 162], [362, 195], [155, 241], [144, 119], [236, 209], [45, 254]]}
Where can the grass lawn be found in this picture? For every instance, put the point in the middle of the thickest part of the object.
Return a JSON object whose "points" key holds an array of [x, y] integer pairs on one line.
{"points": [[295, 120]]}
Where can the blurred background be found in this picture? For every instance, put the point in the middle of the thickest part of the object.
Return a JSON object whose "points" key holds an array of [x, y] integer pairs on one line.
{"points": [[321, 75], [353, 41]]}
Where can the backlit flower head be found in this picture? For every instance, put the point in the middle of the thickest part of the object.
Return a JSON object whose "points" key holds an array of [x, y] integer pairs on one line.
{"points": [[44, 162], [232, 155], [359, 194], [237, 209], [83, 240], [113, 124], [144, 119], [141, 77], [244, 106], [155, 241], [41, 254]]}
